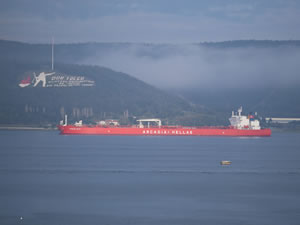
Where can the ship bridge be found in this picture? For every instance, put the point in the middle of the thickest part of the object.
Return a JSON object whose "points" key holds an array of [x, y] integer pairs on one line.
{"points": [[148, 121]]}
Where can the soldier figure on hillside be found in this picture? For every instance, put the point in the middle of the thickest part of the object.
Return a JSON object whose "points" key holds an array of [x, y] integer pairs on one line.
{"points": [[41, 78]]}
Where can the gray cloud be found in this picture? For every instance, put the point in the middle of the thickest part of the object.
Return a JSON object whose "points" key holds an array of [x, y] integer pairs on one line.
{"points": [[148, 21], [191, 66]]}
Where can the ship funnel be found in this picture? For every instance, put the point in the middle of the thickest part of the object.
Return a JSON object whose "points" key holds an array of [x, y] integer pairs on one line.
{"points": [[66, 120], [240, 110]]}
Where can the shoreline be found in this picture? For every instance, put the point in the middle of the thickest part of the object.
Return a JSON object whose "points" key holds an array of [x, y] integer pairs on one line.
{"points": [[24, 128]]}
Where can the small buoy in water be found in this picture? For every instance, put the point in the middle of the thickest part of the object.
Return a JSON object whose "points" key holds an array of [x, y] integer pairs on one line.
{"points": [[225, 162]]}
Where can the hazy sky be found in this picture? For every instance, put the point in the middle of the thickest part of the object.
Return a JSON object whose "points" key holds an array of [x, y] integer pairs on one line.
{"points": [[158, 21]]}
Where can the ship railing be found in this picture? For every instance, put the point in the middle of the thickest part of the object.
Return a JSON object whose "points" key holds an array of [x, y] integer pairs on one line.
{"points": [[165, 127], [211, 127], [120, 126]]}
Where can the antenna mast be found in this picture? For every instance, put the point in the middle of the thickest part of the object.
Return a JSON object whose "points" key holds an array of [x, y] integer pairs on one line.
{"points": [[52, 67]]}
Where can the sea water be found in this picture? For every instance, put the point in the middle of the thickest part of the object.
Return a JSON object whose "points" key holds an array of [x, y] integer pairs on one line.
{"points": [[47, 178]]}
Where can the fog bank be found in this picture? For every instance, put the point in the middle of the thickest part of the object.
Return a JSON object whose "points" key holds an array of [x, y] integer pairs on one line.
{"points": [[196, 66]]}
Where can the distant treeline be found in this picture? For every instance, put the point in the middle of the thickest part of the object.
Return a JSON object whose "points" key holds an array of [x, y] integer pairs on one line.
{"points": [[117, 93], [78, 52], [115, 96]]}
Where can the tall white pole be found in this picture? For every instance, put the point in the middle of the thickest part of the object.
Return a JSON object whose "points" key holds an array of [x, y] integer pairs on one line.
{"points": [[66, 120], [52, 54]]}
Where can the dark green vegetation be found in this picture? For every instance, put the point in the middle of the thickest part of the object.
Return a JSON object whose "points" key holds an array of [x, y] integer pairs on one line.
{"points": [[115, 96], [117, 93], [268, 102]]}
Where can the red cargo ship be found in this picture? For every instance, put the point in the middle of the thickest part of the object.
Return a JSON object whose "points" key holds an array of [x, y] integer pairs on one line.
{"points": [[240, 126]]}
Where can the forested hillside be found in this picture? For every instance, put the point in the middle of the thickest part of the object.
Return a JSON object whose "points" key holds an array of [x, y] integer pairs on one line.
{"points": [[201, 74], [115, 95]]}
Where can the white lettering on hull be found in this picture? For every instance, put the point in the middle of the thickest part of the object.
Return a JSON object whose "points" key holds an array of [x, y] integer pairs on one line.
{"points": [[167, 132], [75, 128]]}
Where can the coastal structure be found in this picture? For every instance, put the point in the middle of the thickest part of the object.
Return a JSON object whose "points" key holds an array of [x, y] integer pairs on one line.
{"points": [[281, 120]]}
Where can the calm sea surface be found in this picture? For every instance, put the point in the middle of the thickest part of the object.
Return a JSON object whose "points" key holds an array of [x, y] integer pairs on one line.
{"points": [[49, 179]]}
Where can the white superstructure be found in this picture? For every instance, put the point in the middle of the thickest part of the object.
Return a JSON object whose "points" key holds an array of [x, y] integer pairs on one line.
{"points": [[156, 121], [243, 122]]}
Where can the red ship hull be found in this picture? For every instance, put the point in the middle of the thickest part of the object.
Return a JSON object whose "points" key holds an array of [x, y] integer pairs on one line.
{"points": [[162, 131]]}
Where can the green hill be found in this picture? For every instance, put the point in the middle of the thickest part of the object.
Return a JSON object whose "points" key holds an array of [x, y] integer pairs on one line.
{"points": [[114, 95]]}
